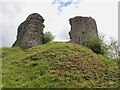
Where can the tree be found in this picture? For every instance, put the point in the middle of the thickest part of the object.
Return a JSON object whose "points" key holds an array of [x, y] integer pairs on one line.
{"points": [[113, 49], [48, 37]]}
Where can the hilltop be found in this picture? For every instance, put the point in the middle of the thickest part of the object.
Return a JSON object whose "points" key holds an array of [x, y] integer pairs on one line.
{"points": [[57, 65]]}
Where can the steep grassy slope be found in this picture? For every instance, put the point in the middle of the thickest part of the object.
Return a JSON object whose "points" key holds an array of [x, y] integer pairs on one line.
{"points": [[57, 65]]}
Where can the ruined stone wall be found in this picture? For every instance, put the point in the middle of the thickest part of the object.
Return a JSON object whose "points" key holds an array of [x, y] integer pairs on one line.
{"points": [[30, 32], [82, 27]]}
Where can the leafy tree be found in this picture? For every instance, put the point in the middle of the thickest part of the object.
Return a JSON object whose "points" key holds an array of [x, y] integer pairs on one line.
{"points": [[113, 49], [48, 37]]}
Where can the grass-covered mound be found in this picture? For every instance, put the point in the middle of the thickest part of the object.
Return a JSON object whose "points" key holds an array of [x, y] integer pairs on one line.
{"points": [[57, 65]]}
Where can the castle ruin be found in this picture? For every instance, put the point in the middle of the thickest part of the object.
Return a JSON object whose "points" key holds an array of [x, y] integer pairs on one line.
{"points": [[82, 27], [30, 32]]}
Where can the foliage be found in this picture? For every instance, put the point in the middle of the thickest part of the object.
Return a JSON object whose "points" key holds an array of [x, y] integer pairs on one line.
{"points": [[57, 65], [96, 44], [99, 46], [48, 37]]}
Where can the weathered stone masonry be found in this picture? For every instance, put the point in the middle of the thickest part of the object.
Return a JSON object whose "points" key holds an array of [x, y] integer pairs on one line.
{"points": [[30, 32], [82, 27]]}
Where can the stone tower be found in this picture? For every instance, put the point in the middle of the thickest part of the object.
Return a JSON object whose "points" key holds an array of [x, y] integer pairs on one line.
{"points": [[82, 27], [30, 32]]}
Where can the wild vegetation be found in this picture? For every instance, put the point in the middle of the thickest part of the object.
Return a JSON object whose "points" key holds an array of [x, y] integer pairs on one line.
{"points": [[48, 37], [100, 46], [57, 65]]}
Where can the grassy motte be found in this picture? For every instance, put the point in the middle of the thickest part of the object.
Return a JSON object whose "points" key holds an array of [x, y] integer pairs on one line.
{"points": [[57, 65]]}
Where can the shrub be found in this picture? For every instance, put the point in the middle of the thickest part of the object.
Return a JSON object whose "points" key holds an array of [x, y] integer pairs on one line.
{"points": [[96, 44], [48, 37]]}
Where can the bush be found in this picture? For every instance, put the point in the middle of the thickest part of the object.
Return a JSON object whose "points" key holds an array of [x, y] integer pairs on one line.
{"points": [[48, 37], [96, 44]]}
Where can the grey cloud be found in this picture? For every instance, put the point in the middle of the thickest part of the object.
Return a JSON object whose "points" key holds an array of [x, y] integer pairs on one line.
{"points": [[9, 11], [63, 34]]}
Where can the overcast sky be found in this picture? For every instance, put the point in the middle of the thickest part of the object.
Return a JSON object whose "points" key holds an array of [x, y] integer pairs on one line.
{"points": [[56, 14]]}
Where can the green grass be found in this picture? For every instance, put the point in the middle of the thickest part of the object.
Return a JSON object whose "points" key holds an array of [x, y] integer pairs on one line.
{"points": [[57, 65]]}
